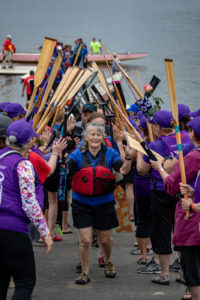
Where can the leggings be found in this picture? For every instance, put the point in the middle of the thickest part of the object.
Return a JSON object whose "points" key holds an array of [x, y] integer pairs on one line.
{"points": [[16, 260]]}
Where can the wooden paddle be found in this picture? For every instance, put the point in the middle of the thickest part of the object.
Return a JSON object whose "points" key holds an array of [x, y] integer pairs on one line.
{"points": [[52, 77], [45, 56], [172, 93], [129, 125], [69, 90], [133, 85], [61, 89]]}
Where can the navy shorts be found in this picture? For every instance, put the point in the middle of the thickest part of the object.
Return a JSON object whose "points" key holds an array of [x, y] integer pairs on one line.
{"points": [[101, 217]]}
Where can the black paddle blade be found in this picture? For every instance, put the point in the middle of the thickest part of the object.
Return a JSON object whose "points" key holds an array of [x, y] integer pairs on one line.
{"points": [[154, 83]]}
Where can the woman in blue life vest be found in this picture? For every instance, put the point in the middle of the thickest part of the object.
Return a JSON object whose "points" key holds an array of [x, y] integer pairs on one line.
{"points": [[92, 198], [19, 207]]}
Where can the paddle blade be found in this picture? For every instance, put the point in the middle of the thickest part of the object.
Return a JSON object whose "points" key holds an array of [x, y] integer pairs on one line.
{"points": [[45, 56]]}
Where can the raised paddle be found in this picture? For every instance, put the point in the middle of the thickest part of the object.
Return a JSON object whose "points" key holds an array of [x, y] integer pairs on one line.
{"points": [[132, 84], [52, 77], [129, 125], [70, 74], [45, 56], [172, 93]]}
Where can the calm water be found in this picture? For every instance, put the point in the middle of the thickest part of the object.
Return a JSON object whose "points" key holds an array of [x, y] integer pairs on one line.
{"points": [[163, 29]]}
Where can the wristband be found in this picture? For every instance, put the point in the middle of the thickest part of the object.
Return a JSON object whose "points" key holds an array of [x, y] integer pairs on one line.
{"points": [[191, 207], [161, 170], [127, 158], [55, 154]]}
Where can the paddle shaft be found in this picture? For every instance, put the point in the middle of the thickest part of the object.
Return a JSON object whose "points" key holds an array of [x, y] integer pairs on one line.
{"points": [[172, 93], [52, 77]]}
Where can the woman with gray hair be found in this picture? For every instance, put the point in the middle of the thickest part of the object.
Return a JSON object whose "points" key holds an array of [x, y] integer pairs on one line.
{"points": [[19, 205], [92, 197]]}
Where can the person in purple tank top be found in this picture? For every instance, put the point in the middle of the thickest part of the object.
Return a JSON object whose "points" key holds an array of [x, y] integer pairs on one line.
{"points": [[162, 204], [19, 207], [186, 232]]}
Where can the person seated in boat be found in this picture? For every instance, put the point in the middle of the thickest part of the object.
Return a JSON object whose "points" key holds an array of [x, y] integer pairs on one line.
{"points": [[95, 47], [8, 50]]}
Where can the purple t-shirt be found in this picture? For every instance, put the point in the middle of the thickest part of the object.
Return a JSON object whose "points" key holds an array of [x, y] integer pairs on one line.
{"points": [[164, 145]]}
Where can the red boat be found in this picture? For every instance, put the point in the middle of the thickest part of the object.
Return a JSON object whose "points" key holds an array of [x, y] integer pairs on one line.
{"points": [[98, 58]]}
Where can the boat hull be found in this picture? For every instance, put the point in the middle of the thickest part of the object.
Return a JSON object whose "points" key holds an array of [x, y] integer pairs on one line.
{"points": [[98, 58]]}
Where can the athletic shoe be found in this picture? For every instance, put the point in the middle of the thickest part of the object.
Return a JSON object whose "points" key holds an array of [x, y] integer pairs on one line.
{"points": [[101, 262], [109, 270], [175, 267], [79, 268], [163, 280], [56, 237], [83, 279], [150, 268], [3, 67]]}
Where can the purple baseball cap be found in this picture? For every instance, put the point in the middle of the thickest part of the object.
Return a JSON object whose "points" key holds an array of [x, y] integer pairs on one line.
{"points": [[163, 118], [183, 110], [139, 115], [143, 122], [3, 105], [195, 124], [14, 109], [195, 113], [20, 132]]}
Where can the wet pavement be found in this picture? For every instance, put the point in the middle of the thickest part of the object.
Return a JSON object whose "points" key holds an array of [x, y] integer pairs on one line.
{"points": [[56, 273]]}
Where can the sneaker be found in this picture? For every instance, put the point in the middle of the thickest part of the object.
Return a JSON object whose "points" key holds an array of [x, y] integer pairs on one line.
{"points": [[79, 268], [142, 260], [101, 262], [3, 67], [109, 270], [83, 279], [163, 280], [56, 237], [150, 268], [10, 67], [175, 267]]}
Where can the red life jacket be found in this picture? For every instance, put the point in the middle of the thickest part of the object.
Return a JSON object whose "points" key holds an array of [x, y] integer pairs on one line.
{"points": [[94, 181]]}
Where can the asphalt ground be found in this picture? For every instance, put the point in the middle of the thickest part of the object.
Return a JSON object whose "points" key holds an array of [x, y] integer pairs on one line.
{"points": [[56, 273]]}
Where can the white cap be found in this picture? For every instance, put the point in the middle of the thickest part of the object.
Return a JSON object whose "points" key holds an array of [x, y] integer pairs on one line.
{"points": [[9, 36]]}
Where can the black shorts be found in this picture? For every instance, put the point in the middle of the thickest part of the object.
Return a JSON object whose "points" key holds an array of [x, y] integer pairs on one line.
{"points": [[190, 263], [129, 178], [163, 208], [101, 217], [143, 215], [51, 183]]}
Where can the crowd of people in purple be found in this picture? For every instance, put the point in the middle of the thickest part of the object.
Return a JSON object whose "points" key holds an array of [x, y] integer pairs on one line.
{"points": [[92, 152]]}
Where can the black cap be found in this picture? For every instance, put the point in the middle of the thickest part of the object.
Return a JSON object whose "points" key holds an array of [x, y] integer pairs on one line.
{"points": [[89, 107], [4, 123]]}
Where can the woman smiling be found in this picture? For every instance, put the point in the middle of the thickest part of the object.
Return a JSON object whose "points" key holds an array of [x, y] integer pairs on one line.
{"points": [[92, 198]]}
